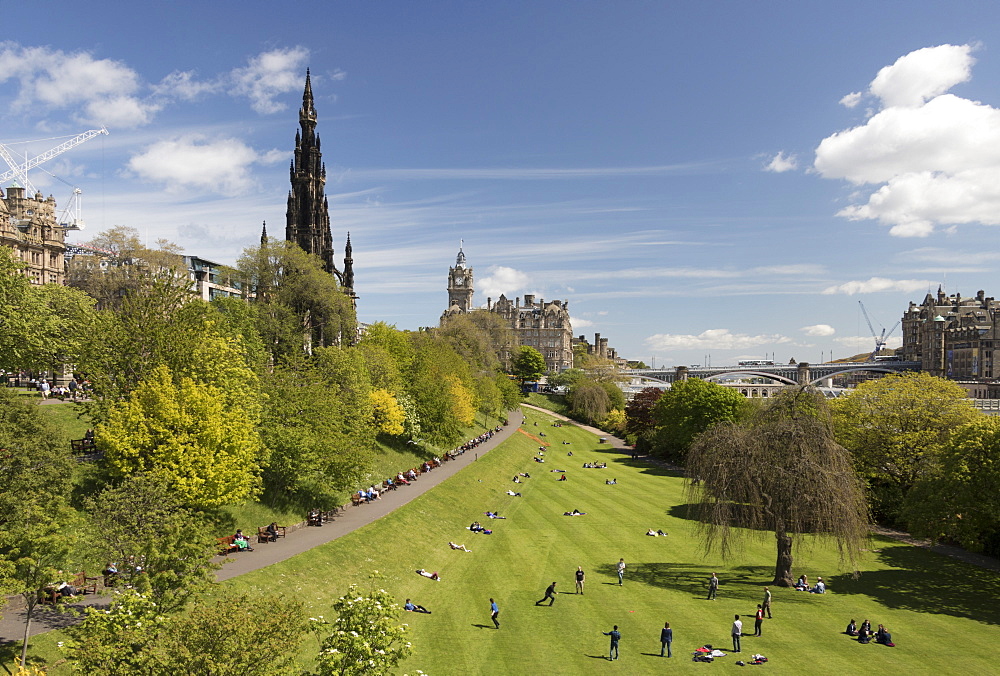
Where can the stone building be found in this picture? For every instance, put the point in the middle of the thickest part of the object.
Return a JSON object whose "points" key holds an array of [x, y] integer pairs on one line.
{"points": [[543, 326], [599, 349], [28, 226], [952, 336], [307, 217]]}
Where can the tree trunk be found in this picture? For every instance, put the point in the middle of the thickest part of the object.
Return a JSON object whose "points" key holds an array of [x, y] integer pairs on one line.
{"points": [[28, 610], [783, 564]]}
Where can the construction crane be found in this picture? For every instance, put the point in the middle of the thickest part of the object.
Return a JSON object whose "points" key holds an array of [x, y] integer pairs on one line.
{"points": [[880, 339], [19, 171], [70, 218]]}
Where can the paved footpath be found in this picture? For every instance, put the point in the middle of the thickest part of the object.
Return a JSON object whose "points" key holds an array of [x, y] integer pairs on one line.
{"points": [[298, 540]]}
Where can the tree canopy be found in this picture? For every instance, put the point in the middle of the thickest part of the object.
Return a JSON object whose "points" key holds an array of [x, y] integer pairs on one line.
{"points": [[689, 408], [528, 364], [780, 472]]}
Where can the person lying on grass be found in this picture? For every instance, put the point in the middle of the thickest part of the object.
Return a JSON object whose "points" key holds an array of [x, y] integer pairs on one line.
{"points": [[415, 607], [575, 512], [611, 482], [462, 547], [494, 515], [516, 495], [655, 533], [433, 576]]}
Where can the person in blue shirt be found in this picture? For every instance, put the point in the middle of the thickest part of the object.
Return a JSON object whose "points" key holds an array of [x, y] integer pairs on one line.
{"points": [[666, 638], [494, 613], [415, 607], [820, 587], [615, 637]]}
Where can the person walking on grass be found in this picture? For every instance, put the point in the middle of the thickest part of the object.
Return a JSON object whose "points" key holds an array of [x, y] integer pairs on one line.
{"points": [[713, 587], [615, 637], [550, 595], [758, 620], [495, 613], [767, 602], [666, 638], [737, 632], [579, 579], [621, 571]]}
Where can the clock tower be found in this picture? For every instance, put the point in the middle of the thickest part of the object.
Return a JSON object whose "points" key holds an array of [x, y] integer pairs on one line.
{"points": [[460, 284]]}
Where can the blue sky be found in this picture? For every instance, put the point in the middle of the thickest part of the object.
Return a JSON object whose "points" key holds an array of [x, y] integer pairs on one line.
{"points": [[716, 180]]}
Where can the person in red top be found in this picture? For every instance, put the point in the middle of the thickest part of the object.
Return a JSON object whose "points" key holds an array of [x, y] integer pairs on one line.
{"points": [[758, 620]]}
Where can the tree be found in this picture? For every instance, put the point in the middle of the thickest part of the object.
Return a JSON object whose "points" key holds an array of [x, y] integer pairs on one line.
{"points": [[484, 339], [689, 408], [528, 364], [387, 415], [780, 472], [160, 547], [231, 635], [895, 428], [190, 434], [639, 419], [960, 499], [589, 401], [367, 637]]}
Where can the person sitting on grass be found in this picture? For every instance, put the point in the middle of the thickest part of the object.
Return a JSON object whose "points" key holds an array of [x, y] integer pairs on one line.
{"points": [[461, 547], [475, 527], [570, 454], [803, 583], [883, 636], [415, 607], [575, 512], [611, 482], [820, 587], [433, 576], [852, 629], [562, 477], [865, 632], [517, 479]]}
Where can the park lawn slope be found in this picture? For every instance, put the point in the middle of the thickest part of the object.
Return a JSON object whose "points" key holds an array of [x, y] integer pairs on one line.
{"points": [[934, 606]]}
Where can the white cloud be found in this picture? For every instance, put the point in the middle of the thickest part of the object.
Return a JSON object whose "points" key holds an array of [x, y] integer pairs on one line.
{"points": [[781, 163], [101, 90], [818, 330], [923, 74], [580, 323], [192, 162], [182, 85], [851, 100], [269, 75], [501, 280], [934, 156], [714, 339], [877, 284]]}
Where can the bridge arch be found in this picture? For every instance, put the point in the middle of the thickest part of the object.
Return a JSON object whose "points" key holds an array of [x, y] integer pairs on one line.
{"points": [[759, 374], [856, 369]]}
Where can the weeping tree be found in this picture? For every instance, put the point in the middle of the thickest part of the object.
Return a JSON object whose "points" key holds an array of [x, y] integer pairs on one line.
{"points": [[779, 472]]}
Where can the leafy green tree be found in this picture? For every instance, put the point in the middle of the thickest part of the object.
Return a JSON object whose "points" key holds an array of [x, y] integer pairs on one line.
{"points": [[159, 546], [300, 305], [231, 635], [528, 364], [442, 389], [589, 401], [781, 472], [959, 499], [689, 408], [187, 433], [312, 454], [895, 428], [484, 339], [367, 637]]}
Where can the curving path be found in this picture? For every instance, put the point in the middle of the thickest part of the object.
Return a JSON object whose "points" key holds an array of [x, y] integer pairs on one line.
{"points": [[300, 539]]}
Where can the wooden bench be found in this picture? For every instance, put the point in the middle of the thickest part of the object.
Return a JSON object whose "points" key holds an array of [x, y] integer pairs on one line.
{"points": [[83, 445], [226, 545], [314, 519], [83, 583], [263, 535], [356, 500]]}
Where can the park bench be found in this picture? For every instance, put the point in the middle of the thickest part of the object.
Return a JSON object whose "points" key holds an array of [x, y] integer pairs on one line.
{"points": [[314, 518], [84, 584], [386, 486], [263, 535], [83, 445], [227, 545]]}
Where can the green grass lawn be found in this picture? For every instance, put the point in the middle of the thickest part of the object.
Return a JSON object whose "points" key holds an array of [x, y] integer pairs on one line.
{"points": [[67, 417], [942, 613]]}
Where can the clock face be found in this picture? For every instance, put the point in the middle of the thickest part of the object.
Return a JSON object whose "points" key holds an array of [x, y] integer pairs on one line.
{"points": [[459, 280]]}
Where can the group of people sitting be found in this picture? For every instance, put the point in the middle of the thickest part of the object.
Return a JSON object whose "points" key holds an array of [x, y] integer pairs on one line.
{"points": [[517, 477], [611, 482], [472, 443], [595, 465], [865, 635], [477, 527], [803, 585]]}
